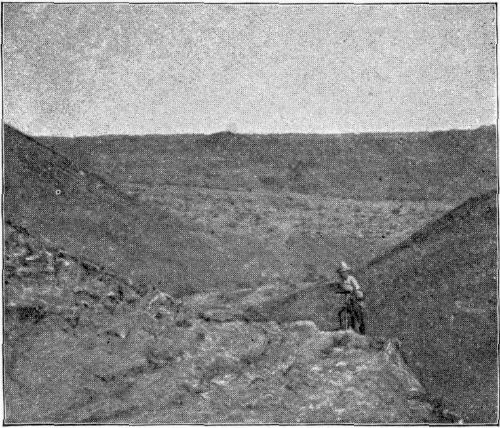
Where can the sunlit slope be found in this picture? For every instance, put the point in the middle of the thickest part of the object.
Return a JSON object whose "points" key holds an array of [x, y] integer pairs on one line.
{"points": [[437, 292], [52, 196]]}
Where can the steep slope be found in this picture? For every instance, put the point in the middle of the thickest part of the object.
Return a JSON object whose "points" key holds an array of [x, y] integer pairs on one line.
{"points": [[437, 292], [53, 197], [41, 278]]}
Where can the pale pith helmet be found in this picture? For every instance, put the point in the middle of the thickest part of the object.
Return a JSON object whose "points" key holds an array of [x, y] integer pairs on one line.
{"points": [[344, 267]]}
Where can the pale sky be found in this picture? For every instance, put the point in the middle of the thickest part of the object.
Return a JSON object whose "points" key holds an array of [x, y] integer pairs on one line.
{"points": [[142, 69]]}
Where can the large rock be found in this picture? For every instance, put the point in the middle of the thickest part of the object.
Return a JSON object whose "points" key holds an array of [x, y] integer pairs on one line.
{"points": [[137, 368]]}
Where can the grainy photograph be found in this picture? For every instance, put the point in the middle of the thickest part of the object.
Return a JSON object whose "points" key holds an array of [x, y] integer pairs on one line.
{"points": [[249, 213]]}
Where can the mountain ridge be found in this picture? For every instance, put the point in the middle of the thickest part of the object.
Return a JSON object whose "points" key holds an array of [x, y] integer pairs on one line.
{"points": [[206, 134], [442, 165]]}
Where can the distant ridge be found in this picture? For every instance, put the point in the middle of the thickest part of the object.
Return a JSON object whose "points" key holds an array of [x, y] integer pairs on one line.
{"points": [[491, 127], [440, 165], [224, 141], [50, 195]]}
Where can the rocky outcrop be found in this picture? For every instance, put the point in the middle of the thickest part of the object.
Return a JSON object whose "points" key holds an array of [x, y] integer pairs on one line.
{"points": [[138, 368], [81, 345], [41, 278]]}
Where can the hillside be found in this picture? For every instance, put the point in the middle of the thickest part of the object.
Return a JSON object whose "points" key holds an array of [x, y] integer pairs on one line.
{"points": [[437, 292], [55, 198], [82, 346], [441, 165]]}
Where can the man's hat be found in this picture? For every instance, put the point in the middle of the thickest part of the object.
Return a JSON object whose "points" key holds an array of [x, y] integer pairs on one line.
{"points": [[343, 267]]}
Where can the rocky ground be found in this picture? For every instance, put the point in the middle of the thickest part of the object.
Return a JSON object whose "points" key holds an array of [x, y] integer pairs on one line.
{"points": [[83, 346]]}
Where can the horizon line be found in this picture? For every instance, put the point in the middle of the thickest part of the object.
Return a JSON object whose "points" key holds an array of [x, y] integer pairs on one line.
{"points": [[495, 125]]}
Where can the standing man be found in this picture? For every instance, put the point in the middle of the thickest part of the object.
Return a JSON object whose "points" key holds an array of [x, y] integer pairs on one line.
{"points": [[353, 311]]}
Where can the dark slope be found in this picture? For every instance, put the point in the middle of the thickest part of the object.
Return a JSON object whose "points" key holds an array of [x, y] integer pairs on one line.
{"points": [[437, 292], [53, 197]]}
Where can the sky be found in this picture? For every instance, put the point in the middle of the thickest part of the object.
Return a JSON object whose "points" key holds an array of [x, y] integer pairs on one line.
{"points": [[73, 69]]}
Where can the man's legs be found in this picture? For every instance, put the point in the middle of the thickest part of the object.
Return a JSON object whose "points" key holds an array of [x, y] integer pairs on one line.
{"points": [[362, 329], [341, 315], [359, 317], [344, 318]]}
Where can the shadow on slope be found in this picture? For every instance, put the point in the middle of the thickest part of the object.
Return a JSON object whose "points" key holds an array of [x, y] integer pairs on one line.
{"points": [[437, 292], [51, 196]]}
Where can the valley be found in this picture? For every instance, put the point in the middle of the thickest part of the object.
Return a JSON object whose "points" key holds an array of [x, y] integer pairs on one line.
{"points": [[170, 273]]}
